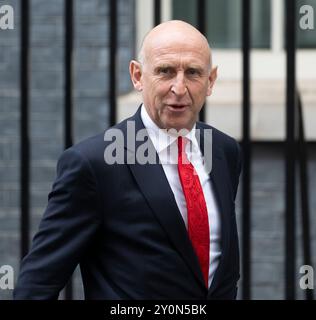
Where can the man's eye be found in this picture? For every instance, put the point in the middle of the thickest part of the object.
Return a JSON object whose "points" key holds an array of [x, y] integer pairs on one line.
{"points": [[192, 72], [165, 70]]}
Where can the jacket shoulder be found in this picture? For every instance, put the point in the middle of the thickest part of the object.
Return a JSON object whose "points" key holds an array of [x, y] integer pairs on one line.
{"points": [[225, 140], [94, 146]]}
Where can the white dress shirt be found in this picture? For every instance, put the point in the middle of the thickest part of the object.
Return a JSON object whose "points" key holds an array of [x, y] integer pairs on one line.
{"points": [[165, 144]]}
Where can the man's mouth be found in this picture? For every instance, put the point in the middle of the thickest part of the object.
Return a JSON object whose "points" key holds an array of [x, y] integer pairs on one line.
{"points": [[177, 107]]}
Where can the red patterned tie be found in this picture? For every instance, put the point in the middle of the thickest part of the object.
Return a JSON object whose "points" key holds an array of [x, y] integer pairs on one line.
{"points": [[198, 226]]}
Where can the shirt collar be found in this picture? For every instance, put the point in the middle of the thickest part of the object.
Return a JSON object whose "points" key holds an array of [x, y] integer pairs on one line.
{"points": [[161, 138]]}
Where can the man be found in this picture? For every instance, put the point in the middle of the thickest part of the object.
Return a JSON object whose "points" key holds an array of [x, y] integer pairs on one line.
{"points": [[139, 230]]}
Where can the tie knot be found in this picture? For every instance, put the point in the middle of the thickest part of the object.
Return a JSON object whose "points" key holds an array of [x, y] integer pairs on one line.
{"points": [[182, 142]]}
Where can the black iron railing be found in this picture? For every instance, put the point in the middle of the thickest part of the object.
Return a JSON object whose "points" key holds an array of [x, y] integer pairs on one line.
{"points": [[246, 146], [68, 93], [24, 129]]}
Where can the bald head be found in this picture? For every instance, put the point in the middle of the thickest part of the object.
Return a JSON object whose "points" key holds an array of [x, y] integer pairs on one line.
{"points": [[174, 74], [173, 32]]}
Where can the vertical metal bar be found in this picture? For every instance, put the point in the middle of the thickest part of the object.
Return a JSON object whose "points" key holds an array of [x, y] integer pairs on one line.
{"points": [[201, 16], [302, 145], [157, 12], [68, 103], [290, 252], [112, 61], [246, 144], [24, 130], [201, 25]]}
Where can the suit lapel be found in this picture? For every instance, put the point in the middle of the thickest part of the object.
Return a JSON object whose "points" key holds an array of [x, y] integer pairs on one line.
{"points": [[215, 164], [154, 185]]}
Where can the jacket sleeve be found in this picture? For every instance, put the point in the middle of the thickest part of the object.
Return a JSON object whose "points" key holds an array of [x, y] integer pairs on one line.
{"points": [[71, 219]]}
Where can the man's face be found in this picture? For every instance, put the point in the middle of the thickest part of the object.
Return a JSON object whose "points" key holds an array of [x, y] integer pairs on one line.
{"points": [[175, 79]]}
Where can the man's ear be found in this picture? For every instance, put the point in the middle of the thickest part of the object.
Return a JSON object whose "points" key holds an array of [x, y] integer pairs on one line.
{"points": [[135, 72], [212, 78]]}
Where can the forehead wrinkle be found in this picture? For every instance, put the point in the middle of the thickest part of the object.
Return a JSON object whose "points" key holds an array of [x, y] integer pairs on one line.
{"points": [[156, 49], [180, 59], [177, 64]]}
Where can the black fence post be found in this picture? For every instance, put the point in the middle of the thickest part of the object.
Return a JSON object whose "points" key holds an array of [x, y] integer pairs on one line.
{"points": [[68, 45], [290, 234], [246, 146], [157, 12], [24, 130], [112, 61], [68, 102], [201, 25]]}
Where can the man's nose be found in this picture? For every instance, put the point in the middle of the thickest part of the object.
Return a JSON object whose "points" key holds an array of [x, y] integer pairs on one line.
{"points": [[179, 87]]}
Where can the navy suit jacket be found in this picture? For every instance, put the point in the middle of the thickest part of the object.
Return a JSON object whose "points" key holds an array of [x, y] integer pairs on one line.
{"points": [[121, 223]]}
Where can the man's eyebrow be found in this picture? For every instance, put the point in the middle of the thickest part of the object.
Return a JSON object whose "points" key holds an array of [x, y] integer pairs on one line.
{"points": [[189, 66], [194, 66], [164, 65]]}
